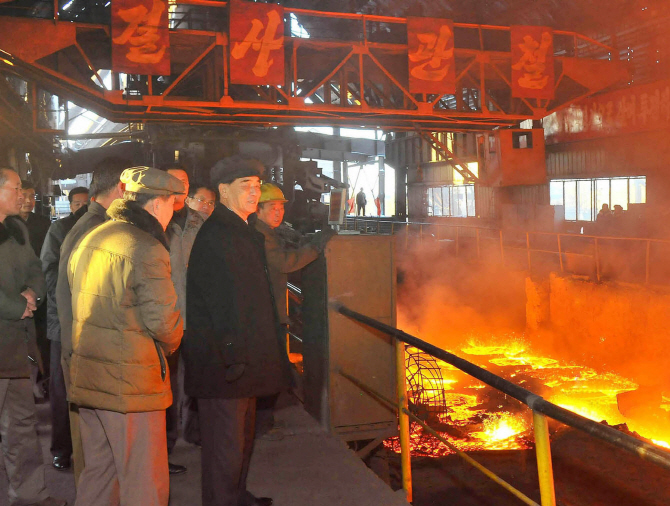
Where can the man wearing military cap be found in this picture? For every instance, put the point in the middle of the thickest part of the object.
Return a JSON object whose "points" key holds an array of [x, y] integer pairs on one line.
{"points": [[233, 352], [124, 324]]}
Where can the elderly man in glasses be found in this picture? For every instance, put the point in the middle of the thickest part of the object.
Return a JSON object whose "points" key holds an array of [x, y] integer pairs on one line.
{"points": [[191, 209], [202, 200]]}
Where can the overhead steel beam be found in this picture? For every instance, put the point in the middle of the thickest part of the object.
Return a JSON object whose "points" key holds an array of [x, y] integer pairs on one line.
{"points": [[321, 76]]}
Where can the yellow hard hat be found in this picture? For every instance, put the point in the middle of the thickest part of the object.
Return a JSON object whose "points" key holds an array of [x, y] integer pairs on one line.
{"points": [[271, 193]]}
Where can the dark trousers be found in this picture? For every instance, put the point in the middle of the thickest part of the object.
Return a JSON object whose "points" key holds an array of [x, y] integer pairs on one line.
{"points": [[43, 344], [188, 410], [18, 440], [265, 414], [227, 432], [172, 412], [61, 438], [360, 209]]}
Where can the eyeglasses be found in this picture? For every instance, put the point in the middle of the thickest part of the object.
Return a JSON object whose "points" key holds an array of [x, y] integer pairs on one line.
{"points": [[208, 203]]}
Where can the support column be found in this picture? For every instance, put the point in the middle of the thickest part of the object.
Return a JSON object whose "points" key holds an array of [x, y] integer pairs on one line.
{"points": [[345, 179], [401, 193], [382, 182], [337, 164]]}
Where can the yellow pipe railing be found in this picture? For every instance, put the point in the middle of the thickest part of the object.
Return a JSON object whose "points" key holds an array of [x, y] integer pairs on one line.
{"points": [[404, 446], [403, 419], [540, 407], [545, 472]]}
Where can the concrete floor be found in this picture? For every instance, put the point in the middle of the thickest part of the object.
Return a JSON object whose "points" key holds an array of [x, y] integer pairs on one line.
{"points": [[309, 467]]}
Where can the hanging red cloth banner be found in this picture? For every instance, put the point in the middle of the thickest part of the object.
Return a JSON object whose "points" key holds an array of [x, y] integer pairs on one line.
{"points": [[256, 43], [430, 53], [140, 37], [532, 62]]}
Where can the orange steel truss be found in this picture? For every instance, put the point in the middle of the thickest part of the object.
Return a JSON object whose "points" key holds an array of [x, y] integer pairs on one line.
{"points": [[352, 70]]}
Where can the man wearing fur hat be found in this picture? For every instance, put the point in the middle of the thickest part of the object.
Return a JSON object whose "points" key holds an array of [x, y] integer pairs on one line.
{"points": [[124, 323], [233, 352]]}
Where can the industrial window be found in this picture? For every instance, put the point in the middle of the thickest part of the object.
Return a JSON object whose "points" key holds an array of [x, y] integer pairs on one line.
{"points": [[522, 140], [457, 201], [583, 198]]}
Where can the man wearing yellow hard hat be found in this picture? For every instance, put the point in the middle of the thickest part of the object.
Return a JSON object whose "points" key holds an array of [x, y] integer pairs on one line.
{"points": [[281, 259]]}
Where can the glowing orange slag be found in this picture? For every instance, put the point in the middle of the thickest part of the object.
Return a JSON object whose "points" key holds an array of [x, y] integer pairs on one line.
{"points": [[478, 417]]}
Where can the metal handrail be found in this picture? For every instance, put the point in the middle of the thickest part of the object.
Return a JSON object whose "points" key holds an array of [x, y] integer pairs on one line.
{"points": [[541, 408], [381, 219], [560, 251], [404, 411]]}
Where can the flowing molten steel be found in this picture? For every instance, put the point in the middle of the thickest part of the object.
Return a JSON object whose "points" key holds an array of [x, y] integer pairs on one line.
{"points": [[474, 416]]}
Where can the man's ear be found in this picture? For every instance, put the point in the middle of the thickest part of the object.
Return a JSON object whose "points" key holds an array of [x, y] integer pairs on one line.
{"points": [[223, 190], [159, 203]]}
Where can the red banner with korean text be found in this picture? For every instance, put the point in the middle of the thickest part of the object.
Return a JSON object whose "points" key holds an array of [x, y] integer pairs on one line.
{"points": [[532, 62], [140, 37], [256, 43], [430, 54], [627, 111]]}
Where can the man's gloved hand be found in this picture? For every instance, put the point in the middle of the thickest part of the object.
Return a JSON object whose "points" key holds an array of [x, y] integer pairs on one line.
{"points": [[320, 239]]}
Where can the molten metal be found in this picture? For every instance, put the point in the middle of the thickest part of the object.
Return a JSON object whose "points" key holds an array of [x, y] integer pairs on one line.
{"points": [[475, 416]]}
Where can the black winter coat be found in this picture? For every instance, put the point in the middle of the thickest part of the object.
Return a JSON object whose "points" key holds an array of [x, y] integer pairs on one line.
{"points": [[233, 347], [38, 226], [19, 268], [50, 257]]}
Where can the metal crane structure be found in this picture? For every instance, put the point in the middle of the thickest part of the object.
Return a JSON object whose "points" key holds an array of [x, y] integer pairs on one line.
{"points": [[340, 70]]}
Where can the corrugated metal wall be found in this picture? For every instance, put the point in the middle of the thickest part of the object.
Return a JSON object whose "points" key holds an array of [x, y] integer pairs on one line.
{"points": [[644, 153], [485, 202], [531, 195], [407, 149]]}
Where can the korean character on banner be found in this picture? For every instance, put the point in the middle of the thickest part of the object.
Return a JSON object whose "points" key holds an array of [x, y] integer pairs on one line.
{"points": [[140, 37], [626, 107], [256, 43], [644, 109], [532, 62], [595, 119], [655, 106], [665, 105], [430, 55], [608, 112]]}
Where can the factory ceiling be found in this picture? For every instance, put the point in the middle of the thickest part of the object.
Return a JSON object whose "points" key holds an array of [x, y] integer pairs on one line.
{"points": [[590, 17], [351, 84]]}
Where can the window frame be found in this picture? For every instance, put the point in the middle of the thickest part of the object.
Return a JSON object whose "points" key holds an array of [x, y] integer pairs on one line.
{"points": [[448, 203], [594, 201]]}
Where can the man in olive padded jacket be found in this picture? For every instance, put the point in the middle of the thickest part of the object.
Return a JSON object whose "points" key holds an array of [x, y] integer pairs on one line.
{"points": [[124, 323]]}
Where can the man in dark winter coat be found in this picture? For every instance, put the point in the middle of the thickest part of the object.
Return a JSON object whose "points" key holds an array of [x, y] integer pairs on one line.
{"points": [[50, 255], [180, 233], [21, 287], [105, 188], [38, 226], [61, 442], [233, 351]]}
